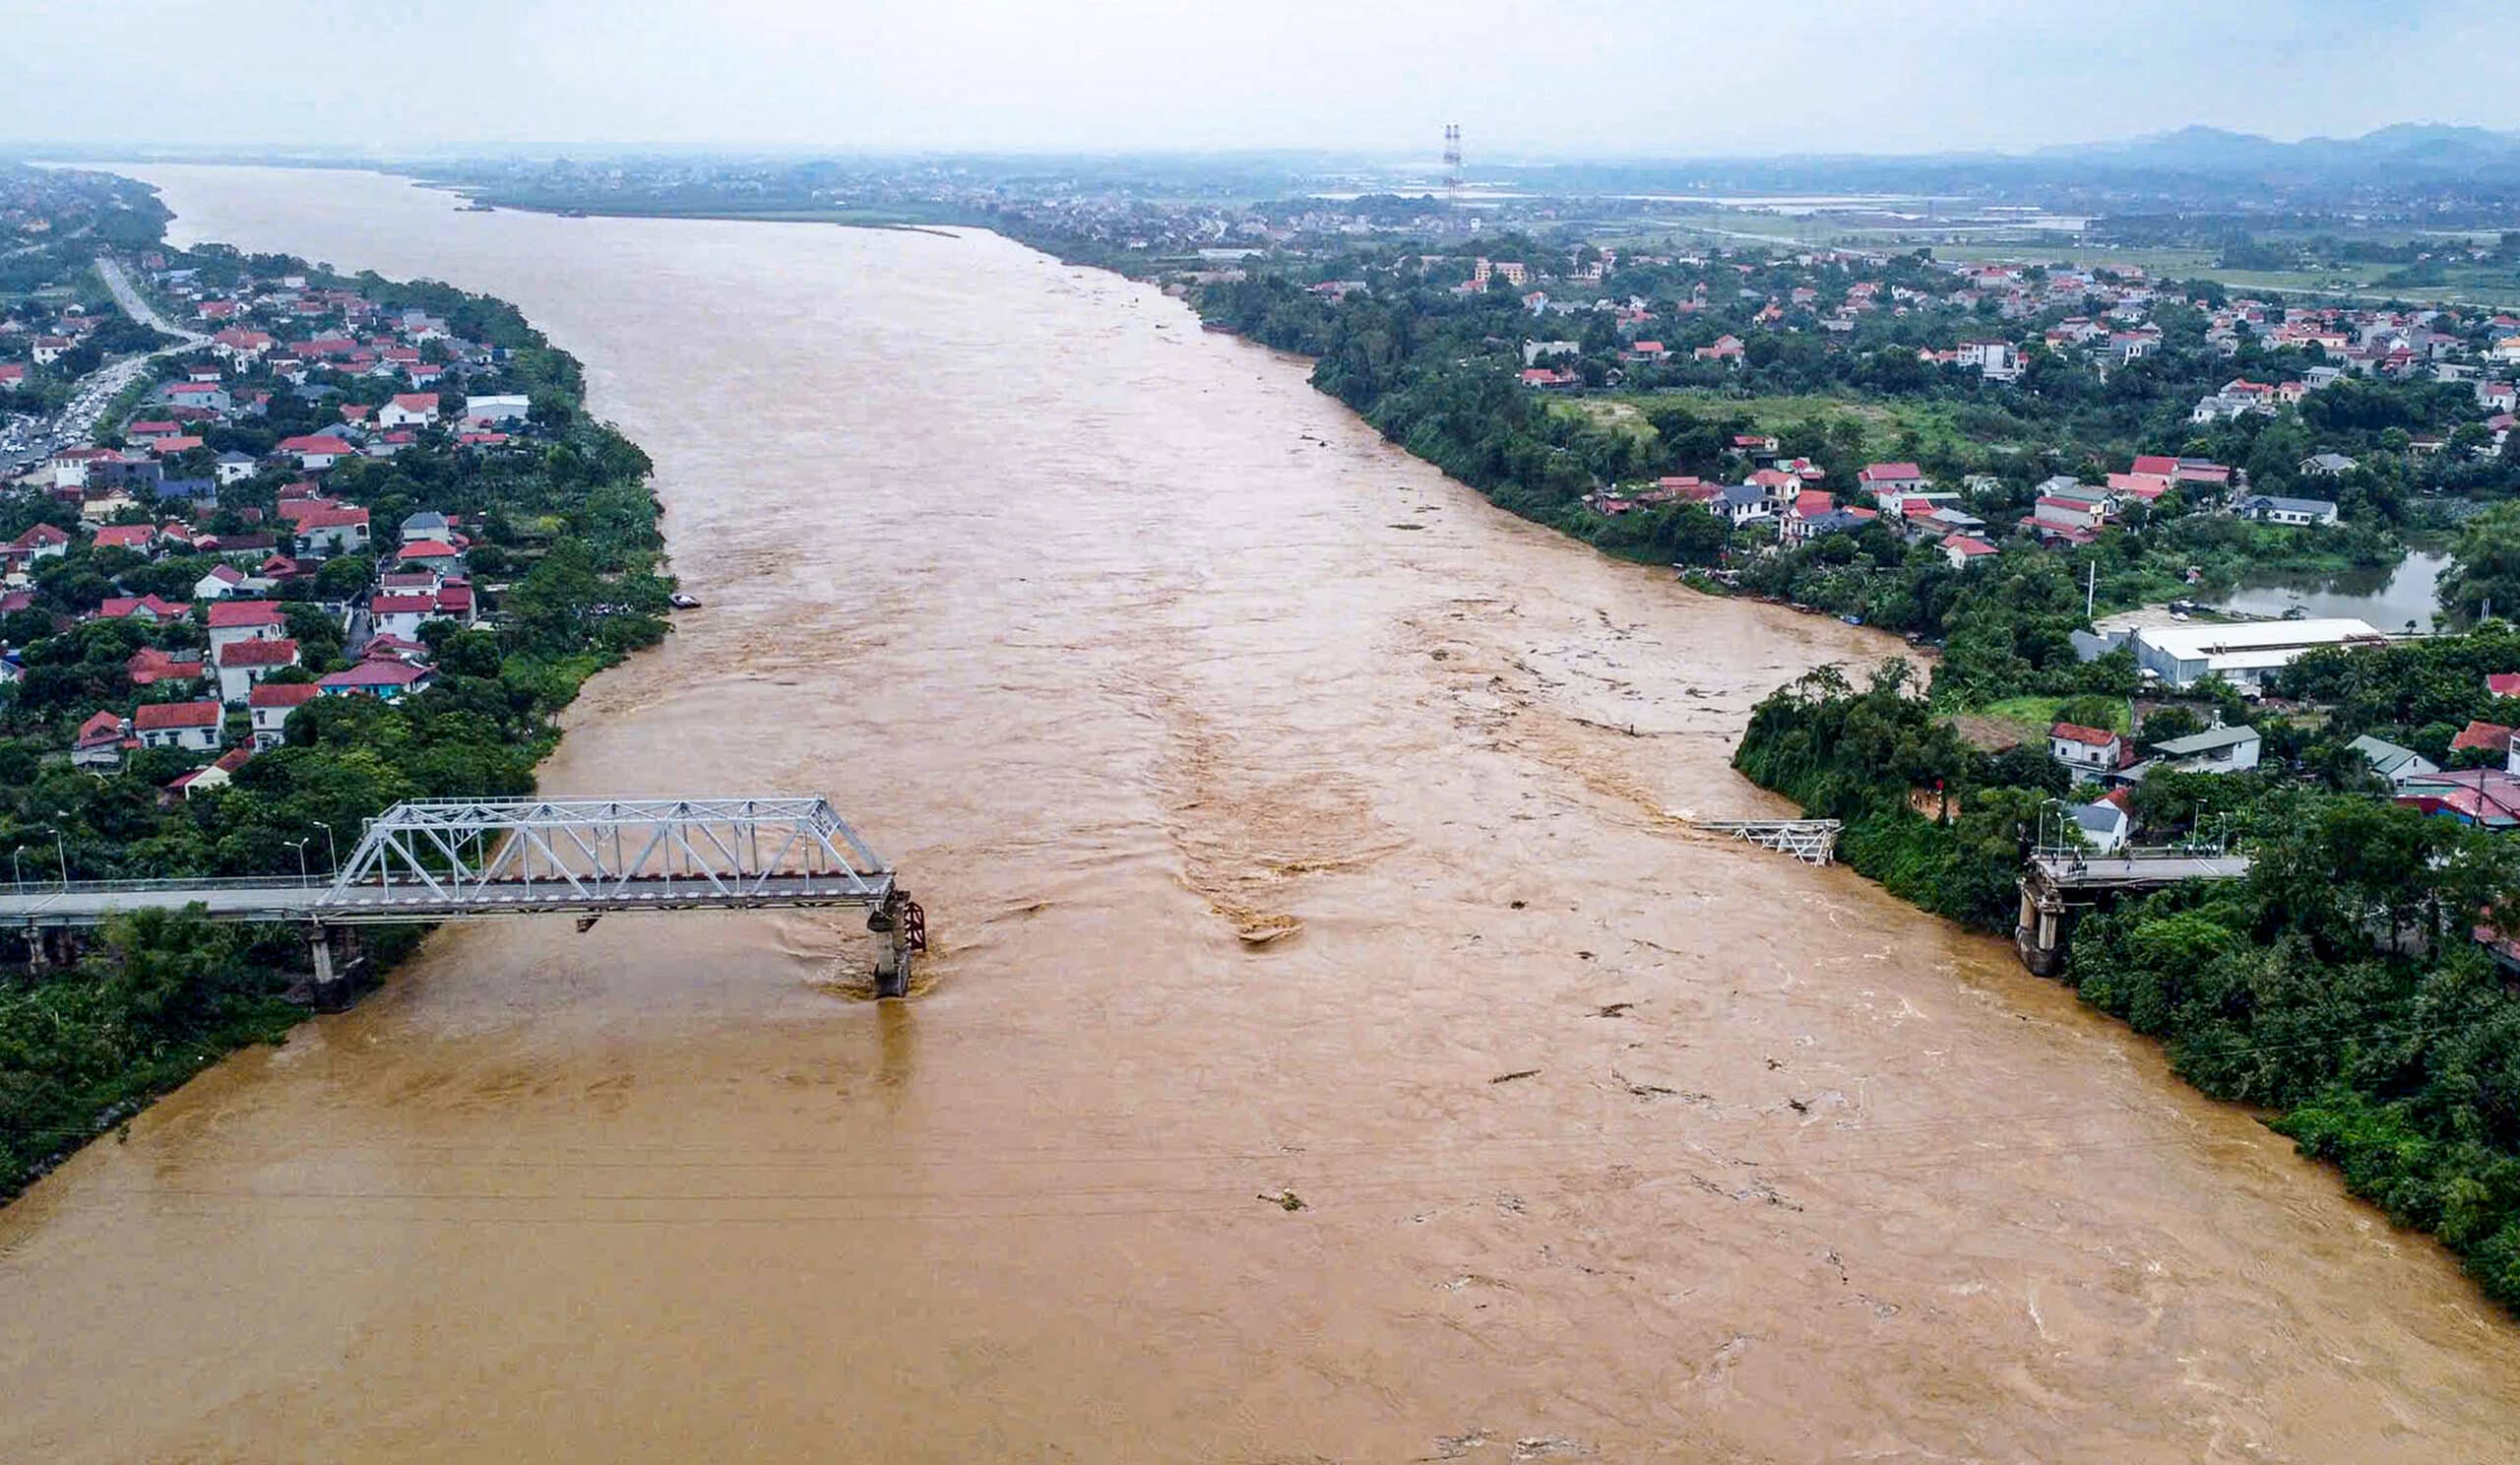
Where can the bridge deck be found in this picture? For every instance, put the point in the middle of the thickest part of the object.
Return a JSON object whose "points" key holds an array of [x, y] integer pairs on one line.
{"points": [[2142, 873], [323, 904]]}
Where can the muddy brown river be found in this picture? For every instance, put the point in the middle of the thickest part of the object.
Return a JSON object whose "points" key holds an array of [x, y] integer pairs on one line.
{"points": [[1288, 819]]}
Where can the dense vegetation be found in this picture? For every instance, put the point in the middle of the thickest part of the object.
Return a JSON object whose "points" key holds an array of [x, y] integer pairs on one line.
{"points": [[567, 555], [2337, 986]]}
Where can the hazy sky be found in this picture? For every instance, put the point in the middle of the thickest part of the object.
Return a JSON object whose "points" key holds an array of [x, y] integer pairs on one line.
{"points": [[1582, 78]]}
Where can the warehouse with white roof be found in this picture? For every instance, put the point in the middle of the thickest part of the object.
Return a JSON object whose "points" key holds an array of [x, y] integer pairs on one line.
{"points": [[2243, 654]]}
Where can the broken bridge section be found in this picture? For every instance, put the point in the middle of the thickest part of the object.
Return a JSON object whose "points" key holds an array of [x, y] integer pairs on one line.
{"points": [[468, 859]]}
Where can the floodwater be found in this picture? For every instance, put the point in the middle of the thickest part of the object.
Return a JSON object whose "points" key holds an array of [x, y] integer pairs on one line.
{"points": [[2398, 597], [1290, 820]]}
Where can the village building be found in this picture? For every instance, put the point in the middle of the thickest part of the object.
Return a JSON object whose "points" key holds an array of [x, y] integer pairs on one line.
{"points": [[2243, 655], [231, 622], [192, 726], [244, 665], [2090, 752], [268, 706]]}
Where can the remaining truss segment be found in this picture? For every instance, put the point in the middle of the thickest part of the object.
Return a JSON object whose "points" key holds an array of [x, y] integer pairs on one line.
{"points": [[1811, 841], [458, 850]]}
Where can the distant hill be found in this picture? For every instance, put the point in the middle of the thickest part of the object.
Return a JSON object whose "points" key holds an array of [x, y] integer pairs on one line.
{"points": [[2388, 154]]}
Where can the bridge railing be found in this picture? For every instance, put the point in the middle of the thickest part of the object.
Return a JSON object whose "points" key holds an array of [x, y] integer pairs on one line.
{"points": [[218, 882]]}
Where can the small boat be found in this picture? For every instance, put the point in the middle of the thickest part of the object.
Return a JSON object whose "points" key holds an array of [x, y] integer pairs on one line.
{"points": [[573, 212], [681, 601], [478, 207]]}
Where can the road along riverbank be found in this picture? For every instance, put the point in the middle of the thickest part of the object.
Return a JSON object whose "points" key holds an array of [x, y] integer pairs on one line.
{"points": [[1277, 807]]}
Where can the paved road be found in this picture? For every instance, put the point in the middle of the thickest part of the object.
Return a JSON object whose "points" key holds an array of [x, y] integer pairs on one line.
{"points": [[137, 308], [78, 418]]}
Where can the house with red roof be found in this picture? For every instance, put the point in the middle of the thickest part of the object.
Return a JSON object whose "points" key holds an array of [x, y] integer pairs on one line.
{"points": [[316, 450], [437, 556], [39, 541], [2142, 486], [12, 375], [244, 665], [101, 741], [390, 681], [1808, 504], [2482, 736], [409, 409], [270, 705], [1878, 479], [136, 538], [150, 666], [324, 527], [209, 397], [396, 648], [231, 622], [208, 778], [147, 608], [219, 583], [1964, 551], [190, 726], [2087, 752], [2483, 797]]}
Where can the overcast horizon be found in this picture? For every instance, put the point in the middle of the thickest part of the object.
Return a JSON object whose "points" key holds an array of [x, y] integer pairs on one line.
{"points": [[1584, 79]]}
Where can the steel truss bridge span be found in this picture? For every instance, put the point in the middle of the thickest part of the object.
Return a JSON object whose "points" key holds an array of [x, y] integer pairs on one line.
{"points": [[468, 859]]}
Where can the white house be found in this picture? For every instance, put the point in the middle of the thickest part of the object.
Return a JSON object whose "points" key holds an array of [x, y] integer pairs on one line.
{"points": [[2268, 508], [2399, 765], [1739, 503], [269, 706], [233, 468], [2214, 751], [409, 409], [242, 664], [328, 529], [1878, 479], [222, 581], [1964, 551], [318, 451], [2103, 823], [1996, 360], [190, 726], [511, 409], [231, 622], [2090, 751]]}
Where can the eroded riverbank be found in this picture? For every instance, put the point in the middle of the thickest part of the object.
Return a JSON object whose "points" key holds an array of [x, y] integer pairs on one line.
{"points": [[1104, 629]]}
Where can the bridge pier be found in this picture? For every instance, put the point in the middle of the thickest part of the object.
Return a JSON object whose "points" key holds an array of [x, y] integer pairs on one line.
{"points": [[337, 959], [2039, 936], [903, 928], [51, 946]]}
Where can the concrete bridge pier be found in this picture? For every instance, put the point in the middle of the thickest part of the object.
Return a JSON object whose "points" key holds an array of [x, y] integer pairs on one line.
{"points": [[903, 928], [2039, 936], [50, 946], [337, 954]]}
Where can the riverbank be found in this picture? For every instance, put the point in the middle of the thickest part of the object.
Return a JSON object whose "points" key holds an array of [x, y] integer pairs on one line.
{"points": [[2385, 1060], [554, 573], [1875, 759], [1159, 667]]}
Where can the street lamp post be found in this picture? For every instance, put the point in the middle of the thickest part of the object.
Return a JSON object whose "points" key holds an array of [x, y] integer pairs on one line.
{"points": [[17, 869], [63, 851], [301, 847], [332, 847]]}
